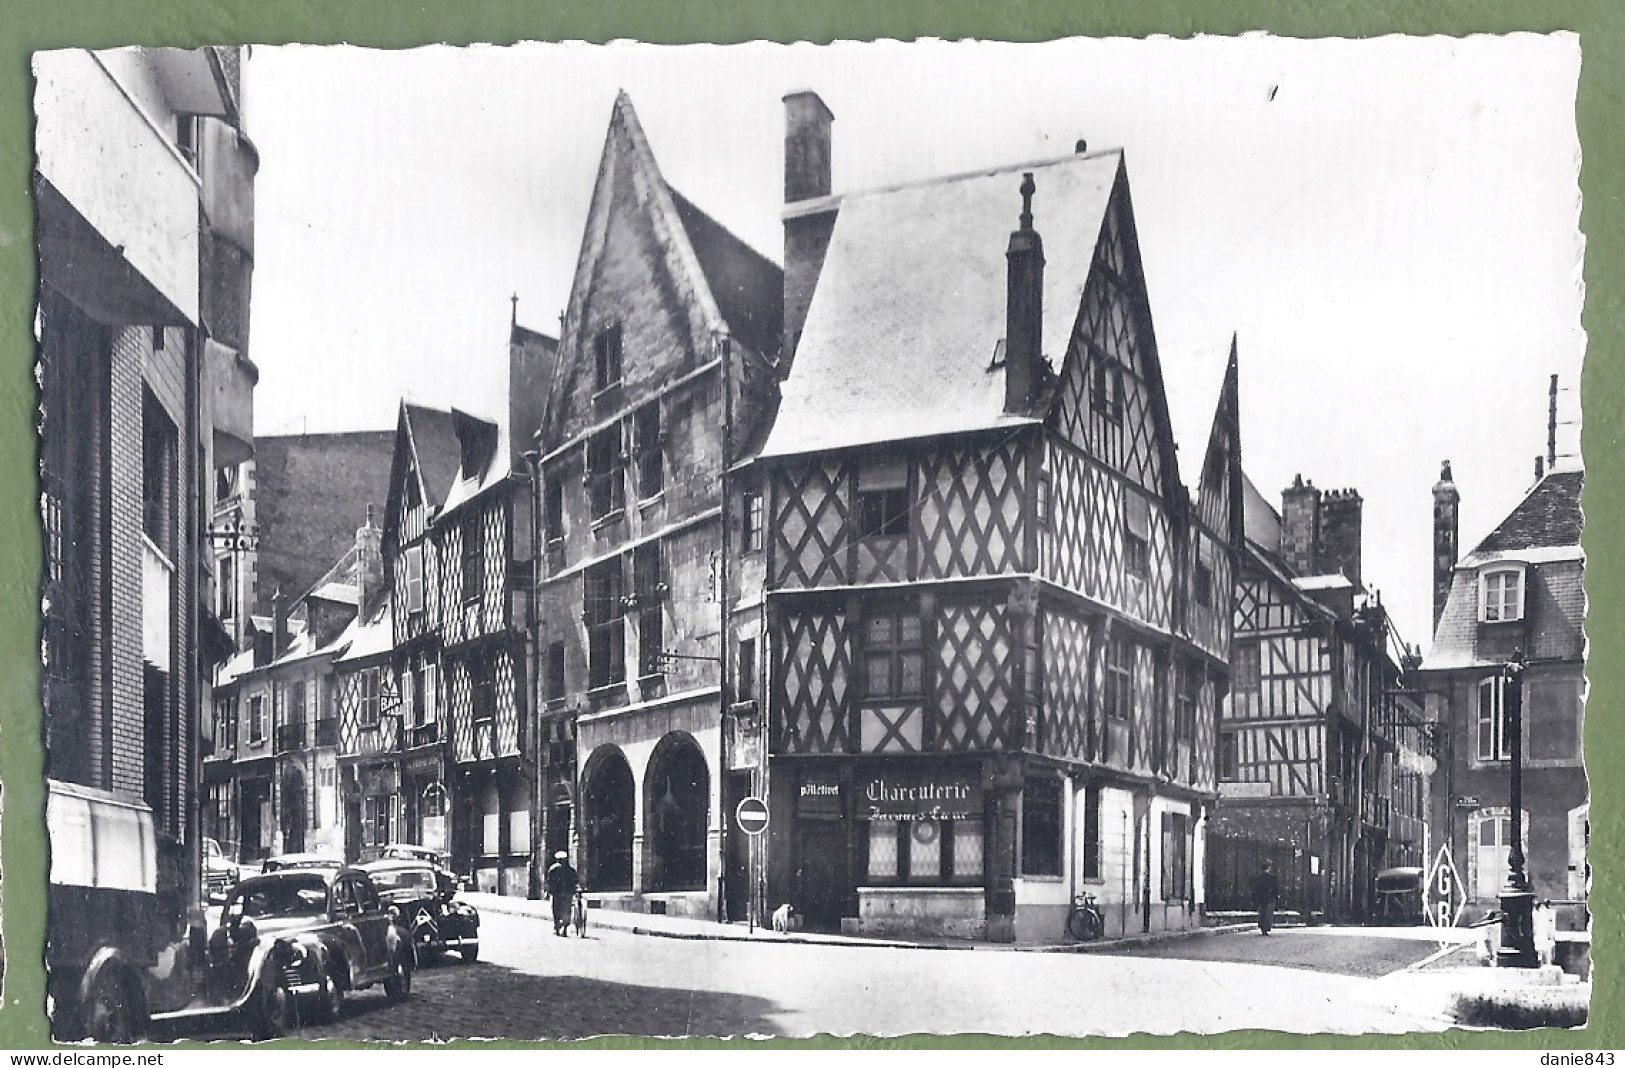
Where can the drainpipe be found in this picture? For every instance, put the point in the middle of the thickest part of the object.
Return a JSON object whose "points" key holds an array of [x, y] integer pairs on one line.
{"points": [[724, 596], [533, 465]]}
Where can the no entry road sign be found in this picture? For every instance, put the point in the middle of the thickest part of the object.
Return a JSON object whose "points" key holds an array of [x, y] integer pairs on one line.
{"points": [[751, 815]]}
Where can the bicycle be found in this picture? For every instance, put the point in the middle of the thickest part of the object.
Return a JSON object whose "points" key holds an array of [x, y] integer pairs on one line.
{"points": [[1085, 922]]}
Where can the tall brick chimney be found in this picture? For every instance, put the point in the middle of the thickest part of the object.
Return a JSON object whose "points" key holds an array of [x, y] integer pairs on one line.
{"points": [[279, 623], [1446, 506], [1024, 308], [807, 226], [1300, 526], [369, 565], [1340, 522]]}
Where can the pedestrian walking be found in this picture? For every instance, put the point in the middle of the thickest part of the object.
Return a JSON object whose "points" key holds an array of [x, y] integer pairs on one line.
{"points": [[562, 882], [1266, 891]]}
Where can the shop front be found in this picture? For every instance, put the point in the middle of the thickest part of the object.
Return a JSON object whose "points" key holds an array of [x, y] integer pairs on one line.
{"points": [[426, 801]]}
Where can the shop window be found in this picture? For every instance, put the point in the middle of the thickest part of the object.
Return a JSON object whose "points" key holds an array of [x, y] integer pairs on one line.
{"points": [[606, 625], [1494, 739], [893, 654], [607, 819], [678, 789], [1091, 831], [927, 852], [606, 486], [1041, 827], [1119, 682], [377, 820], [1175, 856], [606, 348], [651, 451], [1244, 667]]}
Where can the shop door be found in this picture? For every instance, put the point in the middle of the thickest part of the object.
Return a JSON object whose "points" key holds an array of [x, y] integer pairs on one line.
{"points": [[823, 882], [736, 878]]}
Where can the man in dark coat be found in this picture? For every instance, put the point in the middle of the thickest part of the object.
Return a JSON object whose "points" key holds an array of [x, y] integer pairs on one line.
{"points": [[561, 882], [1266, 890]]}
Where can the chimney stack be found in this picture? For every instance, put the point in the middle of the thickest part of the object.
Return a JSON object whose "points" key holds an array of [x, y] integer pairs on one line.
{"points": [[1340, 533], [369, 565], [1300, 526], [1445, 507], [279, 623], [1024, 308], [807, 229]]}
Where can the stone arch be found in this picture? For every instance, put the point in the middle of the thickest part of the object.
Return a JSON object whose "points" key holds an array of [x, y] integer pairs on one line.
{"points": [[677, 810], [608, 814]]}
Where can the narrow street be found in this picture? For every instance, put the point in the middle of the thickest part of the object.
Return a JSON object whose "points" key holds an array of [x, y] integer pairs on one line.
{"points": [[531, 985]]}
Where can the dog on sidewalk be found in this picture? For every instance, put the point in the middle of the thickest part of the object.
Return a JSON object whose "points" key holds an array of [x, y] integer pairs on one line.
{"points": [[785, 919], [578, 915]]}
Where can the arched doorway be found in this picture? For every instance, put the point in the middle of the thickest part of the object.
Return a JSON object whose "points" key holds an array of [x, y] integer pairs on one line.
{"points": [[677, 793], [609, 800]]}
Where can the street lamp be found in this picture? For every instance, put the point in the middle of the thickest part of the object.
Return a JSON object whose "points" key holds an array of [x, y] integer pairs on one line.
{"points": [[1517, 900]]}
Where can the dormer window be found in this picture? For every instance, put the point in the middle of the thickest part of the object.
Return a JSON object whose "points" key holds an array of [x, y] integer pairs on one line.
{"points": [[883, 504], [1501, 595]]}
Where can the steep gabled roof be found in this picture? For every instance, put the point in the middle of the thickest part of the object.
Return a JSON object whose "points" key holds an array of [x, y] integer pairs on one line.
{"points": [[748, 287], [901, 334], [1548, 517], [1220, 497], [433, 434]]}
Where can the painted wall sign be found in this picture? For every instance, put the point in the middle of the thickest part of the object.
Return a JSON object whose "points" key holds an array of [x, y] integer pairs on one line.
{"points": [[920, 794], [1467, 801], [1244, 789], [819, 793]]}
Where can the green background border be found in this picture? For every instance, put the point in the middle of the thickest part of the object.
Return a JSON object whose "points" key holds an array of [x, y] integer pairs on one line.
{"points": [[26, 25]]}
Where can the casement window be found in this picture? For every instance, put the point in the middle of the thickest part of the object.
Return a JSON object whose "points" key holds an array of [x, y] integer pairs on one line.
{"points": [[750, 522], [1118, 692], [472, 551], [157, 473], [1136, 535], [883, 504], [606, 484], [1229, 757], [1041, 826], [651, 451], [1187, 698], [1107, 396], [256, 719], [1041, 499], [368, 697], [606, 625], [375, 820], [606, 349], [1204, 585], [893, 654], [1175, 856], [412, 568], [555, 672], [1244, 668], [482, 686], [648, 580], [1494, 738], [226, 587], [1091, 831], [553, 509], [745, 677], [417, 696], [1501, 595], [927, 852]]}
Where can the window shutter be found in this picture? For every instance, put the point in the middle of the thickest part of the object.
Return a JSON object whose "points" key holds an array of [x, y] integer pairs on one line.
{"points": [[428, 693]]}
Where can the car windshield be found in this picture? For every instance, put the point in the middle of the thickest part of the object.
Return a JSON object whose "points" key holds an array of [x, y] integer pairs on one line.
{"points": [[211, 848], [404, 879], [280, 897]]}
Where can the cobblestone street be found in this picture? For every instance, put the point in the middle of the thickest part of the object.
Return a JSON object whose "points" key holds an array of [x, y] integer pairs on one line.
{"points": [[530, 985]]}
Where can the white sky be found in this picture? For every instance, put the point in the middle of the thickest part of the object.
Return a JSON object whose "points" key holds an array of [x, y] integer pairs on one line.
{"points": [[1389, 226]]}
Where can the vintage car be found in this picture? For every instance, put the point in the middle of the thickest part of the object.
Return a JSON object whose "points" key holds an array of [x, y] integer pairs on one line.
{"points": [[287, 861], [292, 944], [425, 897], [219, 871], [427, 854]]}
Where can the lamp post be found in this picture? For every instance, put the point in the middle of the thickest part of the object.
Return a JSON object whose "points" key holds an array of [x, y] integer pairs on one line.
{"points": [[1517, 900]]}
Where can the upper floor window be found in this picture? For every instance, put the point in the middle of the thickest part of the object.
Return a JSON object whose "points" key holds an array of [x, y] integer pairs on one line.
{"points": [[651, 451], [606, 349], [1186, 701], [750, 522], [367, 682], [1494, 739], [605, 616], [553, 509], [1229, 756], [649, 584], [1502, 595], [471, 558], [555, 671], [256, 718], [883, 504], [1107, 396], [605, 485], [1244, 668], [226, 587], [745, 678], [1204, 585], [893, 654], [157, 472], [1136, 534], [1119, 688], [482, 685], [412, 566]]}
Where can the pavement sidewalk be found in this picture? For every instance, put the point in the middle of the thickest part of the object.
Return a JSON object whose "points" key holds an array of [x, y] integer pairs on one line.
{"points": [[642, 923]]}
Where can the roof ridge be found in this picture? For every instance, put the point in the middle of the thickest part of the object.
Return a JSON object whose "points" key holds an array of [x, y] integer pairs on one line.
{"points": [[961, 176]]}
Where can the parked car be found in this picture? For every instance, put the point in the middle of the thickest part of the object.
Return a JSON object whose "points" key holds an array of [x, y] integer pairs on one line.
{"points": [[219, 871], [426, 899], [292, 944], [427, 854], [287, 861], [1400, 896]]}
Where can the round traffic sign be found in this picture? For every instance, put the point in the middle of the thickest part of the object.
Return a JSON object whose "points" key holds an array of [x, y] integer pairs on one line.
{"points": [[751, 815]]}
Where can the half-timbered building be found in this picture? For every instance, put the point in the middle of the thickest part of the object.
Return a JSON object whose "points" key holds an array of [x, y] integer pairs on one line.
{"points": [[454, 527], [1324, 762], [664, 376], [999, 623], [1519, 595]]}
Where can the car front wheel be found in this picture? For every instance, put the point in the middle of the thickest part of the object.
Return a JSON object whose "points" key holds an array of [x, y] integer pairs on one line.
{"points": [[111, 1013], [275, 1016], [470, 952], [399, 984], [333, 992]]}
